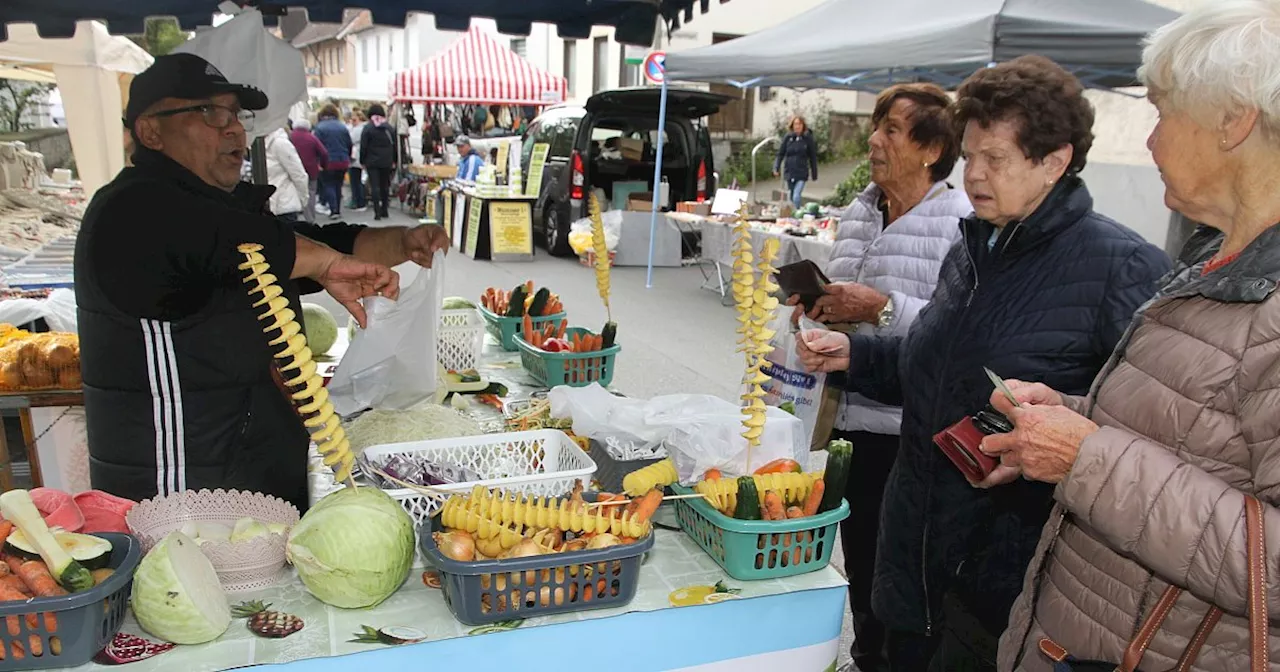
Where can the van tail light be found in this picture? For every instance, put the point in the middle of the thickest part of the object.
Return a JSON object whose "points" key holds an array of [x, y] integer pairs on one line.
{"points": [[578, 180], [702, 181]]}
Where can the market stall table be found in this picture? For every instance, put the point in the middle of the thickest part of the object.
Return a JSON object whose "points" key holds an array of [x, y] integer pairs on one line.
{"points": [[717, 247], [791, 624], [24, 402], [498, 228]]}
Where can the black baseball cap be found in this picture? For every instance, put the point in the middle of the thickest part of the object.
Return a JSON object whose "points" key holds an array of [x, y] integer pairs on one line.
{"points": [[184, 76]]}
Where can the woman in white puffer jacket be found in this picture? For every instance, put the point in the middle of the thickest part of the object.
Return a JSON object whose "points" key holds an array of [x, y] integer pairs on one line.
{"points": [[286, 174]]}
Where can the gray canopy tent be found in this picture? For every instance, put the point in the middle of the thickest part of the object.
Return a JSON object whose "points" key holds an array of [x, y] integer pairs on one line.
{"points": [[867, 45]]}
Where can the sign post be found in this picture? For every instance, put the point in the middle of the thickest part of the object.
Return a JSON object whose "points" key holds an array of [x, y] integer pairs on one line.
{"points": [[655, 70]]}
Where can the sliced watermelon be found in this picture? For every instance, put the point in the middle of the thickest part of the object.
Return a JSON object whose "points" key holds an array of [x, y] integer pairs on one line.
{"points": [[58, 509]]}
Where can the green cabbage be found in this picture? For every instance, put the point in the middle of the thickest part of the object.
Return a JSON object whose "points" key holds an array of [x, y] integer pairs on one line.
{"points": [[322, 329], [353, 548], [176, 594]]}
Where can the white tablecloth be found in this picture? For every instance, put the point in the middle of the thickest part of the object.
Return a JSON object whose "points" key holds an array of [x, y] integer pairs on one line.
{"points": [[717, 246]]}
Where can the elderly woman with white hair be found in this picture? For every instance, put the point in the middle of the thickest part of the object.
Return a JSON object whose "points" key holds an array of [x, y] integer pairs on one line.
{"points": [[1147, 558]]}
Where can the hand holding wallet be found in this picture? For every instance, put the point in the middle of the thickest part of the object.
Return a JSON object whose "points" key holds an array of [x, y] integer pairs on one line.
{"points": [[960, 442], [803, 279]]}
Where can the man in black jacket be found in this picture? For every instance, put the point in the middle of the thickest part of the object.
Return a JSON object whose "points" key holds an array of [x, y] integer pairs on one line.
{"points": [[179, 384]]}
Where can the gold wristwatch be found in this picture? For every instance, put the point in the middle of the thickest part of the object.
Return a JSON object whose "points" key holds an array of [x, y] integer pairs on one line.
{"points": [[886, 314]]}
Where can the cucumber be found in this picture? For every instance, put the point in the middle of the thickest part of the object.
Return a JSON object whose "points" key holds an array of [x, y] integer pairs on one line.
{"points": [[539, 305], [518, 295], [748, 500], [834, 477], [609, 334]]}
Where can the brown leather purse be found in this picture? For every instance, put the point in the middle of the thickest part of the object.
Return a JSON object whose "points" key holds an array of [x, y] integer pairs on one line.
{"points": [[1259, 637]]}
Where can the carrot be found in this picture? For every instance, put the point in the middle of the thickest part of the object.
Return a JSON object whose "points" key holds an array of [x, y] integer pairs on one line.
{"points": [[646, 505], [796, 512], [528, 287], [10, 594], [14, 563], [36, 575], [528, 327], [712, 474], [815, 498], [564, 326], [5, 528], [771, 508], [14, 582], [576, 341], [539, 341]]}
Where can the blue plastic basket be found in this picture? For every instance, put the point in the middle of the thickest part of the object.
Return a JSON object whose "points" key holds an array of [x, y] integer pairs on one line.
{"points": [[505, 329]]}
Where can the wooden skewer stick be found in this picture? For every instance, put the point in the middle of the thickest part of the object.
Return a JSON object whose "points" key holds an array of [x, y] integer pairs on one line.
{"points": [[423, 489], [667, 498], [351, 481]]}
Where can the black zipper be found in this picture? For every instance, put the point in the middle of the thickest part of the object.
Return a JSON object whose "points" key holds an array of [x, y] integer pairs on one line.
{"points": [[924, 540]]}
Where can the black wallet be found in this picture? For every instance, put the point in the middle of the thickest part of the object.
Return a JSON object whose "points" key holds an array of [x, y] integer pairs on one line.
{"points": [[803, 279]]}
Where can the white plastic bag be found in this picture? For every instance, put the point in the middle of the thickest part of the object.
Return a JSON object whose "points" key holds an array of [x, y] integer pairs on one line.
{"points": [[391, 364], [788, 380], [699, 431]]}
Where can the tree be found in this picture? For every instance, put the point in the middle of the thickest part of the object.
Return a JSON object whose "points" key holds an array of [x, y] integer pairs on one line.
{"points": [[15, 98], [160, 36]]}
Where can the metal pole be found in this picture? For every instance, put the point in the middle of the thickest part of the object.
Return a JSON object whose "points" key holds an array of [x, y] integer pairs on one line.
{"points": [[258, 159], [753, 163], [657, 180]]}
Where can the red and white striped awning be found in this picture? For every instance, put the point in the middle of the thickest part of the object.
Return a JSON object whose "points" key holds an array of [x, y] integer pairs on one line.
{"points": [[477, 69]]}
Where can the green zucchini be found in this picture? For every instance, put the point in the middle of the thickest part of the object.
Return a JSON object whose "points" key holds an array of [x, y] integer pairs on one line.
{"points": [[518, 295], [90, 551], [834, 477], [609, 334], [17, 507], [539, 305], [748, 499]]}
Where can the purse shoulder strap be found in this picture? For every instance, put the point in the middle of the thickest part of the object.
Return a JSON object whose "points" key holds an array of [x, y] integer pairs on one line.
{"points": [[1259, 623], [1138, 645]]}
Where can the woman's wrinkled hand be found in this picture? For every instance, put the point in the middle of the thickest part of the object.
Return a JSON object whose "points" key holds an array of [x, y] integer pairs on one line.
{"points": [[823, 351], [848, 302], [1034, 394], [1044, 442]]}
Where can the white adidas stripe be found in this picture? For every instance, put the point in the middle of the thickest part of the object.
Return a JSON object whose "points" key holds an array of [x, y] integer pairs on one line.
{"points": [[166, 404]]}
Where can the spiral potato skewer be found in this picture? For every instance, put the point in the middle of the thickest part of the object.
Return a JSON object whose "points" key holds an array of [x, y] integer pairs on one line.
{"points": [[295, 364], [660, 474], [758, 346], [722, 493], [487, 513], [602, 255]]}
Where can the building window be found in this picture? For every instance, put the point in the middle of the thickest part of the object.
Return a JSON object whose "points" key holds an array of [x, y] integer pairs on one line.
{"points": [[518, 46], [628, 74], [364, 55], [599, 57], [342, 58], [570, 63]]}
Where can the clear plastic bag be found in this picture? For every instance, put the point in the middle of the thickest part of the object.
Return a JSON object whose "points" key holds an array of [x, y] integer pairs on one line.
{"points": [[699, 431], [391, 364]]}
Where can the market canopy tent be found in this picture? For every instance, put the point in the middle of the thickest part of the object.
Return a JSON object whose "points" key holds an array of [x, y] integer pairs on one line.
{"points": [[92, 70], [868, 45], [477, 69], [634, 20]]}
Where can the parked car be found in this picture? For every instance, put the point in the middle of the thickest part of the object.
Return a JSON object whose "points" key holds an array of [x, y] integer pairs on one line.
{"points": [[613, 138]]}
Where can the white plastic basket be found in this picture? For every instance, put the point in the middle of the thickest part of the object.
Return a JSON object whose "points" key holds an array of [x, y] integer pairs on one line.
{"points": [[544, 462], [461, 339]]}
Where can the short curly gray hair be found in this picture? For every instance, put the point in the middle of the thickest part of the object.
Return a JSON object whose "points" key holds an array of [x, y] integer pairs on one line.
{"points": [[1223, 54]]}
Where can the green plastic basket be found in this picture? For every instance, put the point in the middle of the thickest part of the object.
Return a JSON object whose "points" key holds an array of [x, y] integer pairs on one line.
{"points": [[554, 369], [505, 329], [750, 550]]}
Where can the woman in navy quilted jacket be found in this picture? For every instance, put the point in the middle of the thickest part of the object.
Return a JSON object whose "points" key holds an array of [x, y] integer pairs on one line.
{"points": [[797, 159], [1039, 287], [337, 141]]}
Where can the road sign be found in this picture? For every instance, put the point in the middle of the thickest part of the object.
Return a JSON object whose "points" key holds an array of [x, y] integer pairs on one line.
{"points": [[655, 66]]}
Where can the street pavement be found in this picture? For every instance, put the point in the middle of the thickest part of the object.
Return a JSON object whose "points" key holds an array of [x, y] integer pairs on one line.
{"points": [[676, 338]]}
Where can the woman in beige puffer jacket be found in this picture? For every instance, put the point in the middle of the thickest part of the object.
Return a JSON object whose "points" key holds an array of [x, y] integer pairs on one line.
{"points": [[1153, 466]]}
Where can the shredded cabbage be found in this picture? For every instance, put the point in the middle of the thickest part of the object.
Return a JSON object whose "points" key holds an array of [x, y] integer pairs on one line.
{"points": [[423, 422]]}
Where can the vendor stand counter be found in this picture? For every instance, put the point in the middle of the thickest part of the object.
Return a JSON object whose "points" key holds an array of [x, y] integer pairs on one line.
{"points": [[497, 228], [24, 402], [783, 624]]}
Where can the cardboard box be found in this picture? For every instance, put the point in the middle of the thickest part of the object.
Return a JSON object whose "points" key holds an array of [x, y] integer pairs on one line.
{"points": [[632, 148], [589, 259], [640, 201], [694, 208]]}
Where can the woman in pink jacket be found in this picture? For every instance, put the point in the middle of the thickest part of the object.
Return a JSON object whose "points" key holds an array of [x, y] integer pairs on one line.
{"points": [[1153, 467]]}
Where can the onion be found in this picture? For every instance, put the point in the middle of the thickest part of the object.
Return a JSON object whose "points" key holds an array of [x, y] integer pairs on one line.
{"points": [[456, 545], [525, 549], [603, 541], [574, 545]]}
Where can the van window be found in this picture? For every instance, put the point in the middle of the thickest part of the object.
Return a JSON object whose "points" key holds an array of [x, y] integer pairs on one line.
{"points": [[526, 151]]}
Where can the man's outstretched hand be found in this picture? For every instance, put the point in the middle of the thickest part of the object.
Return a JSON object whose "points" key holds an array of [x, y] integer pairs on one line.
{"points": [[348, 280]]}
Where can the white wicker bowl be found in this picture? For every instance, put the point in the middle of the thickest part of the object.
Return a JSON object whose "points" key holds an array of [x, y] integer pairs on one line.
{"points": [[241, 565]]}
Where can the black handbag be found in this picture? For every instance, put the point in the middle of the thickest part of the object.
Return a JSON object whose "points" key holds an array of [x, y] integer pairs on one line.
{"points": [[1257, 608]]}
